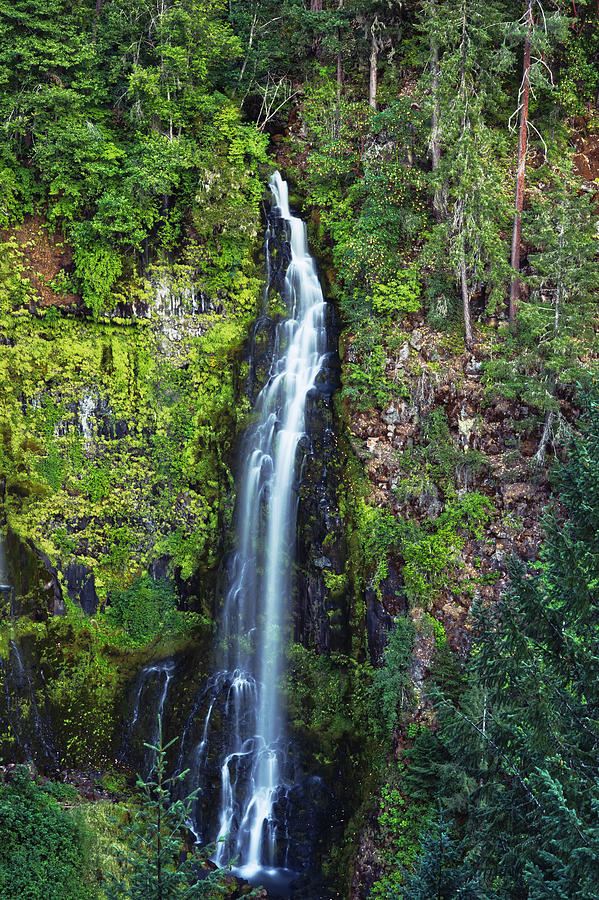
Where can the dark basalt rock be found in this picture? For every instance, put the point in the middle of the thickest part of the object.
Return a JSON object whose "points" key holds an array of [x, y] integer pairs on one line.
{"points": [[81, 587], [321, 615], [25, 723], [35, 587], [390, 598]]}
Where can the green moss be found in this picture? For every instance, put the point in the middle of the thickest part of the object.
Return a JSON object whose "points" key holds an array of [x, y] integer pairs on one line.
{"points": [[155, 463]]}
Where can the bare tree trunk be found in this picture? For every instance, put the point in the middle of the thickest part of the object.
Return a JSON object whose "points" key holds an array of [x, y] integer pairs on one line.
{"points": [[339, 62], [316, 7], [520, 172], [250, 42], [539, 457], [439, 200], [98, 11], [468, 333], [435, 124], [374, 61]]}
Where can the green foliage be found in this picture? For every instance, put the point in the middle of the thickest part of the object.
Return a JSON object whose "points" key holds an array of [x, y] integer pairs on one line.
{"points": [[438, 631], [119, 183], [398, 297], [401, 822], [146, 609], [473, 511], [329, 704], [380, 536], [443, 873], [513, 756], [162, 488], [431, 561], [391, 685], [98, 269], [41, 851], [556, 342]]}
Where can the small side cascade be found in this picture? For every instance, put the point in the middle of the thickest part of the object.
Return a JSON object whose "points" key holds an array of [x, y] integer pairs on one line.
{"points": [[6, 588], [179, 308], [87, 406], [251, 753], [149, 700], [32, 733]]}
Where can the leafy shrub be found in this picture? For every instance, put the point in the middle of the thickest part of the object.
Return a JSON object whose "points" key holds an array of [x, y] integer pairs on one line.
{"points": [[472, 511], [41, 848], [380, 535], [51, 468], [398, 297], [430, 563], [98, 269], [146, 609]]}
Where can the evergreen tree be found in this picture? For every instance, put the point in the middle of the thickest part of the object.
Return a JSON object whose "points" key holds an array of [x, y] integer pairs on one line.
{"points": [[538, 32], [522, 741], [156, 866], [468, 194], [557, 331], [562, 315], [444, 873]]}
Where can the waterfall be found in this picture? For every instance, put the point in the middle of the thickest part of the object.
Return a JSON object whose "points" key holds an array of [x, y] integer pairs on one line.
{"points": [[5, 585], [149, 701], [31, 729], [254, 776], [87, 405]]}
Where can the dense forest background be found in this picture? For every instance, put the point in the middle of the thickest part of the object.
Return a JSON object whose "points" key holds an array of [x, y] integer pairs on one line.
{"points": [[445, 155]]}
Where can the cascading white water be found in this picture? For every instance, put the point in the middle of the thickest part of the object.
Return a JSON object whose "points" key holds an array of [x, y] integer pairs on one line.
{"points": [[4, 579], [152, 687], [252, 768]]}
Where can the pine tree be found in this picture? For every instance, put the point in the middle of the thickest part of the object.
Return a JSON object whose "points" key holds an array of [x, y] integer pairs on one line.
{"points": [[152, 868], [469, 200], [538, 33], [443, 873], [561, 316], [518, 763]]}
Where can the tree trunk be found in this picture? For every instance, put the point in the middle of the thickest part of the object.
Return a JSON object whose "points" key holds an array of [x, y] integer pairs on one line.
{"points": [[435, 124], [520, 172], [98, 11], [468, 333], [539, 457], [316, 7], [439, 200], [339, 63], [250, 42], [374, 61]]}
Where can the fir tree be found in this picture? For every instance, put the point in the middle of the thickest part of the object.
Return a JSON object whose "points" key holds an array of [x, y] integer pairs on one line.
{"points": [[156, 867], [468, 195], [443, 873], [517, 761]]}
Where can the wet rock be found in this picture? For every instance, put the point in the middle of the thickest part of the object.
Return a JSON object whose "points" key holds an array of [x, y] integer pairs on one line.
{"points": [[378, 623], [81, 587], [33, 579]]}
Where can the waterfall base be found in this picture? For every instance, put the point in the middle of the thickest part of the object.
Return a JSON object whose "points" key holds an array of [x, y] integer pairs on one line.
{"points": [[277, 882]]}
